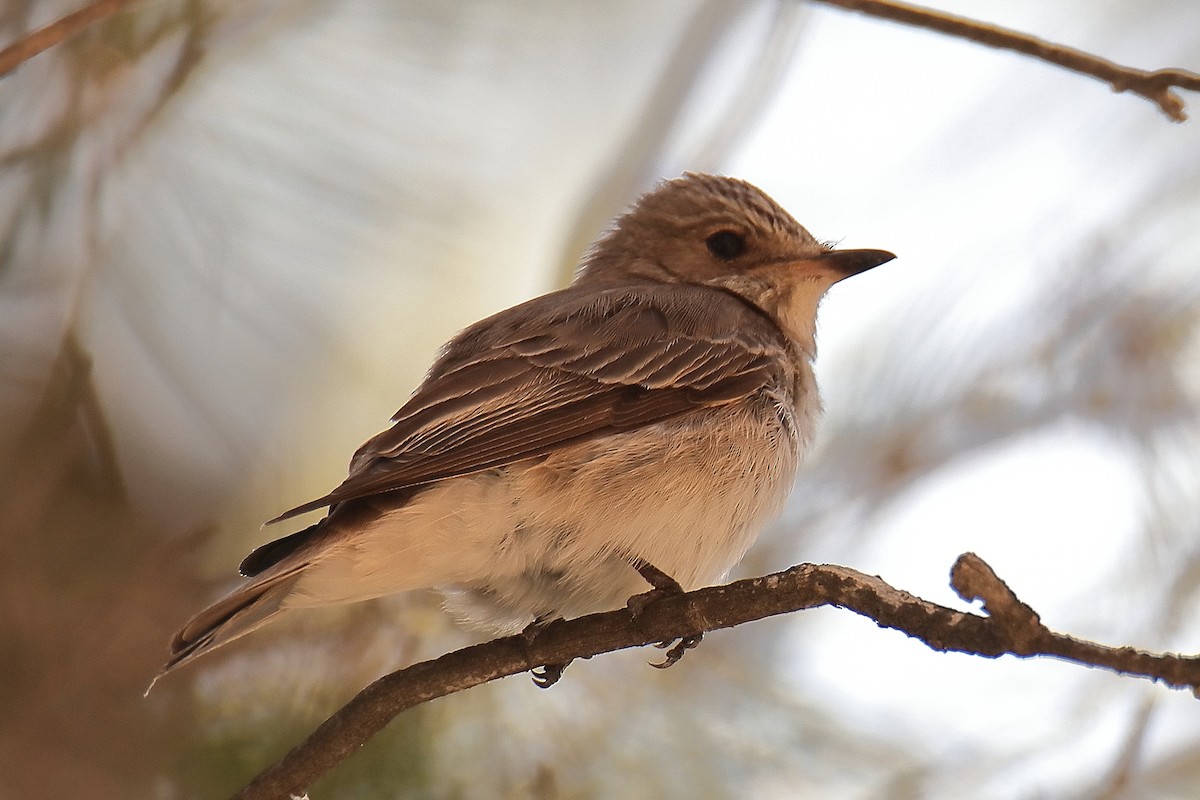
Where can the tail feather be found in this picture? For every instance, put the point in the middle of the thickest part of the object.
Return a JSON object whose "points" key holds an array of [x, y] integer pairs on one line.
{"points": [[268, 555], [238, 613]]}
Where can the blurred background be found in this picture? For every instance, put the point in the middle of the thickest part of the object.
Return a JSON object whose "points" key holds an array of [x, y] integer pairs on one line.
{"points": [[233, 234]]}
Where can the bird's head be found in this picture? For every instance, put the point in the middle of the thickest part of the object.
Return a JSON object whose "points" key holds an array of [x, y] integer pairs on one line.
{"points": [[722, 232]]}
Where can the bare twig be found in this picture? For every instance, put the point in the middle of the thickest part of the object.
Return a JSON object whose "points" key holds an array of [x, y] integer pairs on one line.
{"points": [[44, 38], [1154, 86], [1026, 636], [1011, 627]]}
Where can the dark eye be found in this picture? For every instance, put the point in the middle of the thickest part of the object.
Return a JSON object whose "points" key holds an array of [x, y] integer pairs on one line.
{"points": [[726, 245]]}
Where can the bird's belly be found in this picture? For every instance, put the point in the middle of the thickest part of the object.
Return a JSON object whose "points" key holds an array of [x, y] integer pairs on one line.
{"points": [[688, 498], [556, 536]]}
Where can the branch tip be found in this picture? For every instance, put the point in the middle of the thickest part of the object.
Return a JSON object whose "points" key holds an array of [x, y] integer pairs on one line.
{"points": [[1154, 86]]}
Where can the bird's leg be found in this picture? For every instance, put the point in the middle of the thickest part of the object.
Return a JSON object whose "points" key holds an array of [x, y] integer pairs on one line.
{"points": [[663, 586], [548, 674]]}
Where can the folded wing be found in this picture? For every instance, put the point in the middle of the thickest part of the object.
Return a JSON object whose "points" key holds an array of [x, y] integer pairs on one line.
{"points": [[561, 370]]}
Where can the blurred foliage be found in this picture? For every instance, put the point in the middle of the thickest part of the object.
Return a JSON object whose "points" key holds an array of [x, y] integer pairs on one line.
{"points": [[264, 217], [90, 591]]}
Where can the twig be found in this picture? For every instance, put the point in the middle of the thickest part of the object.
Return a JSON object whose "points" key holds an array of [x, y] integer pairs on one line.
{"points": [[1026, 635], [1011, 628], [1154, 86], [44, 38]]}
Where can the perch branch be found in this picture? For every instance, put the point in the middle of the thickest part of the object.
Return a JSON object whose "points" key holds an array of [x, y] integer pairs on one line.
{"points": [[1010, 627], [1154, 86]]}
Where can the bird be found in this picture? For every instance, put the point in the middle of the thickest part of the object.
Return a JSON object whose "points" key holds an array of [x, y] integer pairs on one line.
{"points": [[642, 424]]}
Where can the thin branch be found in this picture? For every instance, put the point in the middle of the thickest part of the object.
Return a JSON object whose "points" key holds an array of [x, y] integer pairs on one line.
{"points": [[1154, 86], [1011, 627], [1025, 635], [44, 38]]}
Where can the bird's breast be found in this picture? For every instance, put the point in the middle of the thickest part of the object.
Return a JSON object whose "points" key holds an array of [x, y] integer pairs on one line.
{"points": [[556, 536], [688, 495]]}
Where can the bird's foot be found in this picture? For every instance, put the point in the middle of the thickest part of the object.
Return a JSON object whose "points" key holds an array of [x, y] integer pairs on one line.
{"points": [[663, 586], [676, 652], [546, 675]]}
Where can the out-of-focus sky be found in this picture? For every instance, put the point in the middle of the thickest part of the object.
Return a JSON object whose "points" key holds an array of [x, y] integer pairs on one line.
{"points": [[253, 227], [1042, 223]]}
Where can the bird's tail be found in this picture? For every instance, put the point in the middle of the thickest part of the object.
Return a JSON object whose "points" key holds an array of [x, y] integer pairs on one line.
{"points": [[238, 613]]}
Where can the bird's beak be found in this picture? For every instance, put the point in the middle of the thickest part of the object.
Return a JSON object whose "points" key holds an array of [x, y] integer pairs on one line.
{"points": [[844, 263]]}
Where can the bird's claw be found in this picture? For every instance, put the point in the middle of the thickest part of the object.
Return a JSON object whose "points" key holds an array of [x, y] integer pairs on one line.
{"points": [[681, 646], [547, 675]]}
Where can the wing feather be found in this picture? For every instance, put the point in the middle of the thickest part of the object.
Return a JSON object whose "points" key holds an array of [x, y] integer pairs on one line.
{"points": [[607, 363]]}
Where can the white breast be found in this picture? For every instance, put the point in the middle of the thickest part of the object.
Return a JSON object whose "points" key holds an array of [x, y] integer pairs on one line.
{"points": [[688, 497], [555, 537]]}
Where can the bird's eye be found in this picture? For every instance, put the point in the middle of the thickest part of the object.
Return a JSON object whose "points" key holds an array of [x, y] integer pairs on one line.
{"points": [[726, 245]]}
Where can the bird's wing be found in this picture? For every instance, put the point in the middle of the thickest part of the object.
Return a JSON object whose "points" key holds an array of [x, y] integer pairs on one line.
{"points": [[561, 370]]}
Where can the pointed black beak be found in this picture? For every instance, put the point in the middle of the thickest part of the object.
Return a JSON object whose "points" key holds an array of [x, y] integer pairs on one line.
{"points": [[851, 262]]}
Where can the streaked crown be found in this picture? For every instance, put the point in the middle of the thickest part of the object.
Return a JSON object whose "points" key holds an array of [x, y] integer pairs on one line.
{"points": [[667, 234]]}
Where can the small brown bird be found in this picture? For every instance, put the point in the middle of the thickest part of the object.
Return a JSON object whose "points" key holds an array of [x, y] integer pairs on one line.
{"points": [[648, 419]]}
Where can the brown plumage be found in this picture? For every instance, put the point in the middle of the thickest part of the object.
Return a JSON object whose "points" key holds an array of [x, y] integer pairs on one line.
{"points": [[654, 410]]}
